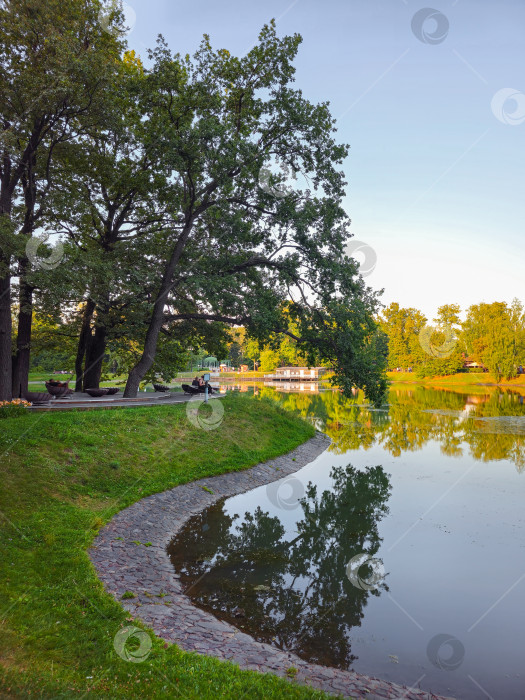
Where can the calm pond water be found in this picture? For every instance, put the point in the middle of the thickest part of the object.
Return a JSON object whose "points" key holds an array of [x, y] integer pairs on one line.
{"points": [[398, 553]]}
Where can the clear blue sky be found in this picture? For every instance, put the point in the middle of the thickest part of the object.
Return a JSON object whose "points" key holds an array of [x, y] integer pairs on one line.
{"points": [[436, 180]]}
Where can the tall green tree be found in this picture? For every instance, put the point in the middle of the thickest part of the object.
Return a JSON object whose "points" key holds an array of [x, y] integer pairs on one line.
{"points": [[495, 336], [443, 344], [448, 315], [54, 57], [245, 243], [403, 327]]}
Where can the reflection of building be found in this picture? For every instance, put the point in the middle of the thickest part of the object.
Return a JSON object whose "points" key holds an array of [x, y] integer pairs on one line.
{"points": [[473, 401], [476, 399], [304, 374], [235, 387], [312, 387]]}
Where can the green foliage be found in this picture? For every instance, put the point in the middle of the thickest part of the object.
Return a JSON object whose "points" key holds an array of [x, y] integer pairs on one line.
{"points": [[122, 354], [442, 344], [448, 315], [435, 367], [495, 336], [492, 334], [403, 326], [214, 122], [344, 336], [269, 360], [53, 343]]}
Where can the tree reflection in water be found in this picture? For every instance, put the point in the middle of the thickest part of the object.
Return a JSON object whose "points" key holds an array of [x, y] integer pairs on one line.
{"points": [[289, 589], [456, 419]]}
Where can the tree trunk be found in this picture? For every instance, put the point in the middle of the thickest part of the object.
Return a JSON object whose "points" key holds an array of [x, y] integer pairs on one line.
{"points": [[22, 357], [6, 361], [84, 341], [136, 375], [5, 334], [94, 357], [11, 177]]}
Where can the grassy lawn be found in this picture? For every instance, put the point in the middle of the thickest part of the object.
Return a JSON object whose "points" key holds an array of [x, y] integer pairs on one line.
{"points": [[63, 475], [43, 376], [461, 379], [478, 378]]}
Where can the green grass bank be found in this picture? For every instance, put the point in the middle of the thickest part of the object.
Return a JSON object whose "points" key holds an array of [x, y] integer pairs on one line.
{"points": [[461, 379], [63, 476]]}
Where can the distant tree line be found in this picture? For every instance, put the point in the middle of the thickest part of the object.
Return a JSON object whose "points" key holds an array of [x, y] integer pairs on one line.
{"points": [[492, 335]]}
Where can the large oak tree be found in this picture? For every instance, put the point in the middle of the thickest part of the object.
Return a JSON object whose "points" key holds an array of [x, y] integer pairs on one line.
{"points": [[245, 245]]}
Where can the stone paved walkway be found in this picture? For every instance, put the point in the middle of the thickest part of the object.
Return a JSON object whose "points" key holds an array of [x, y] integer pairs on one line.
{"points": [[81, 401], [147, 572]]}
